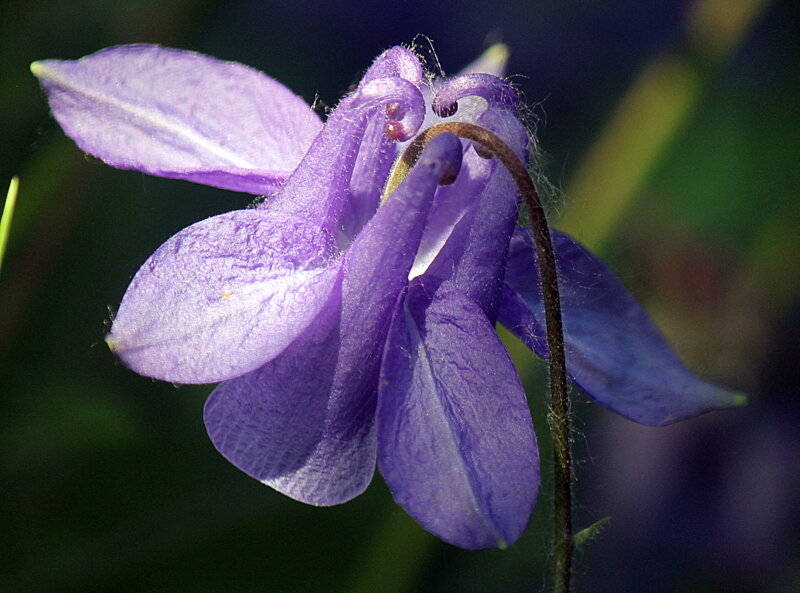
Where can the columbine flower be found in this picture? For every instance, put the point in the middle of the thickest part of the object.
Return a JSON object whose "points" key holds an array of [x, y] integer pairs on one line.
{"points": [[343, 331]]}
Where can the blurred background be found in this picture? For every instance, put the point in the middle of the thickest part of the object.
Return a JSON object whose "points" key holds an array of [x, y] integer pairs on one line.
{"points": [[671, 130]]}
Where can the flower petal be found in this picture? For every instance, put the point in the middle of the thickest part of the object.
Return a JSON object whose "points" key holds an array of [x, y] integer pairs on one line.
{"points": [[452, 203], [497, 93], [180, 114], [222, 297], [614, 352], [330, 374], [473, 259], [377, 152], [269, 421], [478, 233], [455, 439]]}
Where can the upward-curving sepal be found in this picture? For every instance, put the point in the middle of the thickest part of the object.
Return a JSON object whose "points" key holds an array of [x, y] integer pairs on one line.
{"points": [[180, 114], [455, 439], [396, 61], [377, 152], [614, 352]]}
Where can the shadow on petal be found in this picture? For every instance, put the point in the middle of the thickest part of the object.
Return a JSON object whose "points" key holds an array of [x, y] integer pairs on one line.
{"points": [[455, 439]]}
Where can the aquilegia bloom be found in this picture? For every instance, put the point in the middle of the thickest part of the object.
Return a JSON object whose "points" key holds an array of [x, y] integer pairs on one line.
{"points": [[345, 331]]}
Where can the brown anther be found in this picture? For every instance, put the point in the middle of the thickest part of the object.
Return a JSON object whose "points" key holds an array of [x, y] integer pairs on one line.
{"points": [[393, 130], [393, 110]]}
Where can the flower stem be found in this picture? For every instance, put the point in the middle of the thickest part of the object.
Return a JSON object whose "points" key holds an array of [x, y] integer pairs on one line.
{"points": [[559, 417]]}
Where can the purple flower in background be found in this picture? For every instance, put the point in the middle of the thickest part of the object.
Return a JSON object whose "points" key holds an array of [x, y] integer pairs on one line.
{"points": [[344, 330]]}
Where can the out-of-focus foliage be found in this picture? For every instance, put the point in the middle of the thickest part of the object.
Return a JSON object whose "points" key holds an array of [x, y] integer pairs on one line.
{"points": [[677, 121]]}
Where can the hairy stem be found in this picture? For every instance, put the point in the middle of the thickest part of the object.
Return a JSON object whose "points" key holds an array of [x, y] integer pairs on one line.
{"points": [[559, 417]]}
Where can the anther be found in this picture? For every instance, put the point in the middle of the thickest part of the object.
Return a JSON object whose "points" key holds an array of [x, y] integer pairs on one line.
{"points": [[393, 130]]}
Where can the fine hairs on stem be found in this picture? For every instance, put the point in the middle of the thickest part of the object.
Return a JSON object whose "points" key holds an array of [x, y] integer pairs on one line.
{"points": [[559, 417]]}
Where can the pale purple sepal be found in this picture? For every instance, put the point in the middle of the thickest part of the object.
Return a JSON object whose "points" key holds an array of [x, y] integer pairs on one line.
{"points": [[455, 439], [222, 297], [304, 422], [180, 114], [614, 352], [235, 290]]}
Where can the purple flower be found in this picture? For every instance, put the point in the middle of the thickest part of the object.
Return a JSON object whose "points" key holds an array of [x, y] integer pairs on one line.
{"points": [[343, 330]]}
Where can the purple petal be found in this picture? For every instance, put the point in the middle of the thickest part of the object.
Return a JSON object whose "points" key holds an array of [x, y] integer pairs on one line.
{"points": [[398, 62], [614, 352], [473, 258], [330, 374], [222, 297], [377, 153], [455, 439], [180, 114], [495, 91], [473, 235], [492, 61], [319, 188], [375, 159], [452, 203]]}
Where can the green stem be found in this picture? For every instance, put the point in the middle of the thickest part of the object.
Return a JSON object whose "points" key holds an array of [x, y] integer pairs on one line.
{"points": [[5, 218], [559, 417]]}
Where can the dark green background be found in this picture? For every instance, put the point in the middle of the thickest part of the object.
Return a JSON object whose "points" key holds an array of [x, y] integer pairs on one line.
{"points": [[108, 480]]}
